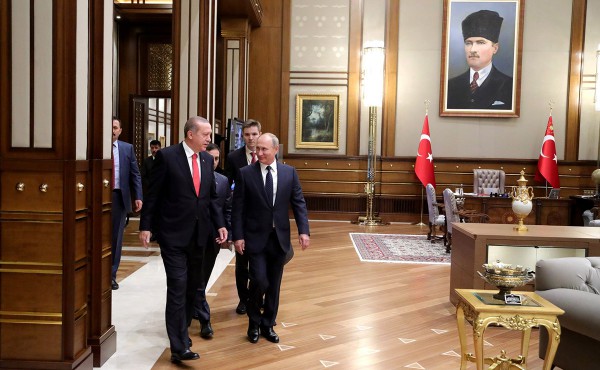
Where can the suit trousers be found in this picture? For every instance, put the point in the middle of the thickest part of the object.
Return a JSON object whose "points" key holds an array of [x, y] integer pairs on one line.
{"points": [[183, 267], [241, 276], [266, 271], [119, 214], [201, 307]]}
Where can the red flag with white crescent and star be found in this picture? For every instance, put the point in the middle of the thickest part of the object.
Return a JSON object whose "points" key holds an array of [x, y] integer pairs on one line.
{"points": [[424, 162], [548, 161]]}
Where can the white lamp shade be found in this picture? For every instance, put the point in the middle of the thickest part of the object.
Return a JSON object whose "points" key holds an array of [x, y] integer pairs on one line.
{"points": [[373, 68]]}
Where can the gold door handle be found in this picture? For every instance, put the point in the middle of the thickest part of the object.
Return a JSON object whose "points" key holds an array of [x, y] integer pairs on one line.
{"points": [[105, 182], [44, 188], [80, 187], [20, 186]]}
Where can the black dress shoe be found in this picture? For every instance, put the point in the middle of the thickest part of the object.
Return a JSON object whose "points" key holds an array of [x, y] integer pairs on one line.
{"points": [[206, 330], [269, 333], [186, 355], [241, 308], [114, 285], [253, 333]]}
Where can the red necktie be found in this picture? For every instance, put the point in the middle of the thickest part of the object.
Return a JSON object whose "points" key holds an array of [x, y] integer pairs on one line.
{"points": [[196, 173], [253, 157], [474, 85]]}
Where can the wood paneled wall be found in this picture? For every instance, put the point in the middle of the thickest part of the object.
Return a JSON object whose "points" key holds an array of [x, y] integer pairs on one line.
{"points": [[334, 186]]}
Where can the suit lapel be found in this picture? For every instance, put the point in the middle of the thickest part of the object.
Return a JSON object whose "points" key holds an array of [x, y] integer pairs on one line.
{"points": [[121, 158], [259, 181], [184, 167], [204, 173]]}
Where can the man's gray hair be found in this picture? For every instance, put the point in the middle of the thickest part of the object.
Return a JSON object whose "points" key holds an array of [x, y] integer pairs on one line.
{"points": [[192, 124], [274, 138]]}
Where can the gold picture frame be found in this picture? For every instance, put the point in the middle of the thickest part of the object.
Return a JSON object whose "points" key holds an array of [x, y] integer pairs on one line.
{"points": [[500, 22], [317, 121]]}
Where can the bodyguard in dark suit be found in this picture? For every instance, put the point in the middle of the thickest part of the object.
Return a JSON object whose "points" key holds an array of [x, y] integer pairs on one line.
{"points": [[237, 159], [182, 206], [126, 180], [148, 163], [263, 194], [201, 307], [483, 86]]}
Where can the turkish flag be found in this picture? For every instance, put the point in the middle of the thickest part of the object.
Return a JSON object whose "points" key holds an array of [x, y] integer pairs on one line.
{"points": [[548, 162], [424, 163]]}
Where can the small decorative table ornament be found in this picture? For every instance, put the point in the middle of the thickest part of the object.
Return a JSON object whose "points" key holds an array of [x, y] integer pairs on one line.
{"points": [[505, 277], [522, 205]]}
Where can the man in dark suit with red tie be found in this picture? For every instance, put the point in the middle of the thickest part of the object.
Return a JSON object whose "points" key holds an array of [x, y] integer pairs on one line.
{"points": [[263, 194], [237, 159], [182, 206]]}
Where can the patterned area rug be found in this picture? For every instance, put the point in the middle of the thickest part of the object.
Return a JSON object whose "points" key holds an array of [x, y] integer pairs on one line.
{"points": [[398, 248]]}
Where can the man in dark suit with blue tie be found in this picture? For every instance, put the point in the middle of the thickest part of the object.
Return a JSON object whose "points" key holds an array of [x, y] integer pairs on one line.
{"points": [[237, 159], [126, 180], [182, 206], [263, 194]]}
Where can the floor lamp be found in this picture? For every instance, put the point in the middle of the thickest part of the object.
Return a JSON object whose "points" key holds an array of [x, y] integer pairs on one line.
{"points": [[596, 173], [372, 89]]}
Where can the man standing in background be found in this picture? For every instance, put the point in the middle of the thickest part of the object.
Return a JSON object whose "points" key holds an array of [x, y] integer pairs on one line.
{"points": [[237, 159], [126, 180], [149, 163]]}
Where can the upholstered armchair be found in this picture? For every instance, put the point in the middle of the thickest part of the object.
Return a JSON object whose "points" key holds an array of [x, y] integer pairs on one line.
{"points": [[573, 284], [486, 181], [436, 220], [452, 215]]}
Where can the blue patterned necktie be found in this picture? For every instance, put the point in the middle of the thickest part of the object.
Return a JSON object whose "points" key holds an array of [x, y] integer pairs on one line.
{"points": [[269, 186]]}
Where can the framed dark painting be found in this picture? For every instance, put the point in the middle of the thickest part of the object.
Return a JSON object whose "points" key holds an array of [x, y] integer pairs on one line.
{"points": [[317, 121], [481, 58]]}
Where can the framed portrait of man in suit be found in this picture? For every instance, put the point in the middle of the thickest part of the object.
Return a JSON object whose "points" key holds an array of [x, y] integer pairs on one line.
{"points": [[481, 58]]}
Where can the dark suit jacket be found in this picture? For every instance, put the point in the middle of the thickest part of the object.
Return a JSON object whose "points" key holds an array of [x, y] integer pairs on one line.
{"points": [[172, 206], [235, 160], [253, 218], [494, 93], [129, 175], [224, 200], [146, 169]]}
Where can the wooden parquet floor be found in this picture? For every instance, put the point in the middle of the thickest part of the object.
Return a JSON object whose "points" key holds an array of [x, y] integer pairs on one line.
{"points": [[342, 313]]}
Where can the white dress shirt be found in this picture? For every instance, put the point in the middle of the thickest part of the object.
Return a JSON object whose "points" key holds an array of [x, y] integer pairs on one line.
{"points": [[263, 170]]}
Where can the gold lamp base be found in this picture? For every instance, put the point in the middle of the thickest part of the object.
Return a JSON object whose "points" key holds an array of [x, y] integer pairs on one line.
{"points": [[371, 221]]}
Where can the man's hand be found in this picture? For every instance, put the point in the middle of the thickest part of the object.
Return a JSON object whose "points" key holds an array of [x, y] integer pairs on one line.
{"points": [[145, 238], [138, 205], [222, 236], [304, 241], [240, 246]]}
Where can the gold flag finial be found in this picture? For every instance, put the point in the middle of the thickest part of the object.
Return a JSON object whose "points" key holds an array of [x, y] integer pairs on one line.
{"points": [[551, 105], [426, 102]]}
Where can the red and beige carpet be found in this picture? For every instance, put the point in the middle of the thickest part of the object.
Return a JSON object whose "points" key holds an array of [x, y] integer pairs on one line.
{"points": [[398, 248]]}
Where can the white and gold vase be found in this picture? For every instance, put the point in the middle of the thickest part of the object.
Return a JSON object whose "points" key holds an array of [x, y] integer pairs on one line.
{"points": [[522, 205]]}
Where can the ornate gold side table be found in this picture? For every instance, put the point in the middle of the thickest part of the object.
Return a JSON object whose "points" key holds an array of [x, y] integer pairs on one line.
{"points": [[481, 309]]}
